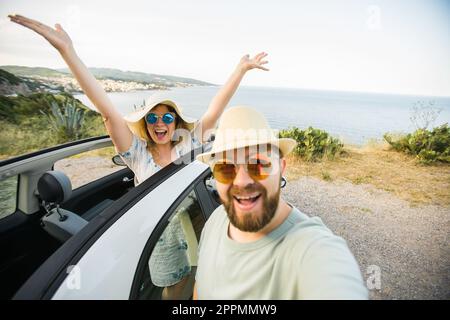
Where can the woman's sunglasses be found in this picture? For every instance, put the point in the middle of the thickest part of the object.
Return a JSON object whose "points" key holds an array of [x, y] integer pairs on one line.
{"points": [[258, 168], [152, 118]]}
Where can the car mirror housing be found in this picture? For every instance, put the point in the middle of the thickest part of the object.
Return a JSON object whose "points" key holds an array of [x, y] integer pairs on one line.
{"points": [[118, 160]]}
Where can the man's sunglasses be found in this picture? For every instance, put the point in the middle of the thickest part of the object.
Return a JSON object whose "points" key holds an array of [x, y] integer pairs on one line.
{"points": [[258, 168], [152, 118]]}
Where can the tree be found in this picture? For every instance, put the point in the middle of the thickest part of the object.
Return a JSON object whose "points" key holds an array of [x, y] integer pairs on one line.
{"points": [[424, 115]]}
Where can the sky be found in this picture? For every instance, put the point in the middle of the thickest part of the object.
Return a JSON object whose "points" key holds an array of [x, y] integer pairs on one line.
{"points": [[393, 46]]}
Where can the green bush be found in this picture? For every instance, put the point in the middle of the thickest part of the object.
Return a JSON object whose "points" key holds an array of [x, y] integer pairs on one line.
{"points": [[428, 146], [25, 129], [30, 136], [313, 144], [17, 109]]}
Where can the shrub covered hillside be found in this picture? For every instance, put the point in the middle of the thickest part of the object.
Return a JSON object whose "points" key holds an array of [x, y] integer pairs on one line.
{"points": [[427, 145], [313, 144], [42, 120]]}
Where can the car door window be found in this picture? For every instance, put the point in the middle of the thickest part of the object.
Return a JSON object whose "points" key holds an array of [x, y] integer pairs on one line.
{"points": [[8, 196], [172, 262], [88, 166]]}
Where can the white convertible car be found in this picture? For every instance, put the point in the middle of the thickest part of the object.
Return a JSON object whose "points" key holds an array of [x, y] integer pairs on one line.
{"points": [[93, 242]]}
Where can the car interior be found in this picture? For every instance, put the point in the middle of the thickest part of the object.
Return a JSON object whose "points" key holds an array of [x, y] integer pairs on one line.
{"points": [[49, 212]]}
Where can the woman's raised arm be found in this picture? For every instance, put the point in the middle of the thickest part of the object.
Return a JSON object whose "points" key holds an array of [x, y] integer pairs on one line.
{"points": [[58, 38], [221, 99]]}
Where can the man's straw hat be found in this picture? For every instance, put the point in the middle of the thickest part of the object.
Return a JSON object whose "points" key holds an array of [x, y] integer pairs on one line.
{"points": [[244, 127], [136, 121]]}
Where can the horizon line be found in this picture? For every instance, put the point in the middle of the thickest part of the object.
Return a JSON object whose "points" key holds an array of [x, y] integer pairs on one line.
{"points": [[350, 91], [255, 86]]}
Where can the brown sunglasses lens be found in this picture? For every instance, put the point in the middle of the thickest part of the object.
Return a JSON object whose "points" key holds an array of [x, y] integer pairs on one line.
{"points": [[258, 171], [226, 172]]}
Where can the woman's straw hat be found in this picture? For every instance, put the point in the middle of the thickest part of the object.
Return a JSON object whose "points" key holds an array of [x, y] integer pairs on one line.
{"points": [[136, 122], [244, 127]]}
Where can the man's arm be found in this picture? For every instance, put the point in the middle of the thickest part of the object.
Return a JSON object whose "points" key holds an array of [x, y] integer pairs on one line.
{"points": [[328, 270]]}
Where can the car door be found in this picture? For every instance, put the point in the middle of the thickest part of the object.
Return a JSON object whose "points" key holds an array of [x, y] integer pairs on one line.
{"points": [[101, 261], [168, 262], [24, 245]]}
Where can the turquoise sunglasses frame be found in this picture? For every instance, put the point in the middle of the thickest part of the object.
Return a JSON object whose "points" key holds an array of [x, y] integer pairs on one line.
{"points": [[152, 118]]}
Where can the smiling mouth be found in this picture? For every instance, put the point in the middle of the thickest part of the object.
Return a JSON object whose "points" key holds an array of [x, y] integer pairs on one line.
{"points": [[247, 200], [160, 133]]}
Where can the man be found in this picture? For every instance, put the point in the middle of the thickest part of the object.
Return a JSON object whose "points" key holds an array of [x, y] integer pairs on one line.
{"points": [[256, 245]]}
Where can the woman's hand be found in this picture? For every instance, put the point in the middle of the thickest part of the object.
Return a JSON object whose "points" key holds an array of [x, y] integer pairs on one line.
{"points": [[257, 61], [57, 37], [223, 96]]}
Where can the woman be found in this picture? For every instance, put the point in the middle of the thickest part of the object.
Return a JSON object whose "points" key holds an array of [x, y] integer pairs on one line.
{"points": [[145, 139]]}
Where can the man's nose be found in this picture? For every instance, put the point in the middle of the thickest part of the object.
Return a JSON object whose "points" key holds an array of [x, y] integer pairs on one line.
{"points": [[242, 178]]}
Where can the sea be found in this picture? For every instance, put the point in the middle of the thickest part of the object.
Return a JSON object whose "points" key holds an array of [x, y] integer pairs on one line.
{"points": [[353, 117]]}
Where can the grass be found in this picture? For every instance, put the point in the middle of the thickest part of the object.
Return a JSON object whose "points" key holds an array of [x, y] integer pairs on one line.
{"points": [[34, 134], [8, 194], [388, 170], [16, 140], [326, 176]]}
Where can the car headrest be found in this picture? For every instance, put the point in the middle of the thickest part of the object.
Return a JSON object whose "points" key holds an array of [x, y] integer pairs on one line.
{"points": [[54, 187]]}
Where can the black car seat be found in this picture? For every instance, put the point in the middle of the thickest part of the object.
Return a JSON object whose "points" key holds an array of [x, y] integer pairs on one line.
{"points": [[55, 188]]}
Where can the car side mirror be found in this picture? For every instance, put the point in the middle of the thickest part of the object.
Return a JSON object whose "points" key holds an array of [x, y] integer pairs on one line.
{"points": [[118, 160]]}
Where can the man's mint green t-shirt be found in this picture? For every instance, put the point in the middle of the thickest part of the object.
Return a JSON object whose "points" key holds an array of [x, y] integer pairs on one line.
{"points": [[300, 259]]}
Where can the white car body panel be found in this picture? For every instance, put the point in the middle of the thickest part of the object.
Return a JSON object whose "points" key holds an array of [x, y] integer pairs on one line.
{"points": [[107, 269]]}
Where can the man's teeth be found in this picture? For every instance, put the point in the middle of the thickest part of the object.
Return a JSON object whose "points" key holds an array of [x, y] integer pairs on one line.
{"points": [[246, 198]]}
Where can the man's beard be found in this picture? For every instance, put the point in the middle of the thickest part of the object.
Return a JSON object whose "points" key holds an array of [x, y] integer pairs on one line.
{"points": [[250, 222]]}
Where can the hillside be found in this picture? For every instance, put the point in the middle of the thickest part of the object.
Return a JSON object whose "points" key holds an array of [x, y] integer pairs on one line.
{"points": [[21, 71], [6, 77], [10, 84], [139, 76], [107, 73], [26, 127]]}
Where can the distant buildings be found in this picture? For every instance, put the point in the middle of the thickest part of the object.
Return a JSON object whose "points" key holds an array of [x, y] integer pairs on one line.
{"points": [[69, 84]]}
